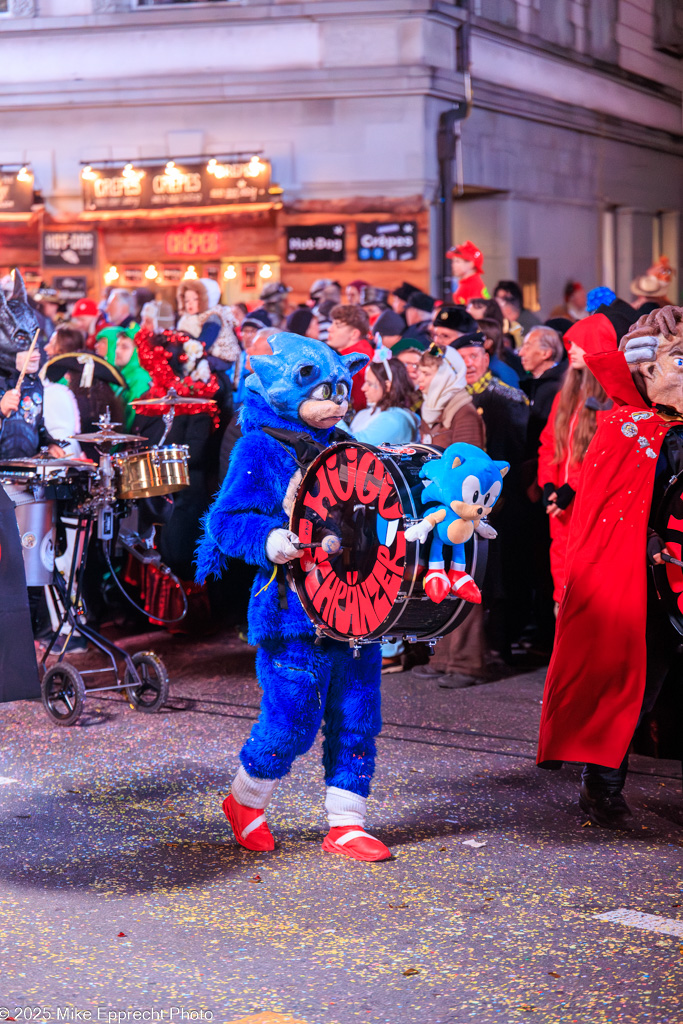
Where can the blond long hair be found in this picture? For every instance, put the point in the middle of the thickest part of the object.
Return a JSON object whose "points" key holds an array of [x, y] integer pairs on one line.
{"points": [[579, 385]]}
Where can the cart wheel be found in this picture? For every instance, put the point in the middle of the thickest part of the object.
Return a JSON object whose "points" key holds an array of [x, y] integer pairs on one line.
{"points": [[63, 692], [152, 693]]}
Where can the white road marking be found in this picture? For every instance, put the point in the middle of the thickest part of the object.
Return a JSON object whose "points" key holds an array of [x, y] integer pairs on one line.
{"points": [[648, 922]]}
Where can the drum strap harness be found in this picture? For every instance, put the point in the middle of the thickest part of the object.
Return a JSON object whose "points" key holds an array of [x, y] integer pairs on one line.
{"points": [[305, 451]]}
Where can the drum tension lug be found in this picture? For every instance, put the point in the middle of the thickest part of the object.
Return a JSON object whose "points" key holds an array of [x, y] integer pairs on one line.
{"points": [[356, 648], [319, 637], [431, 645]]}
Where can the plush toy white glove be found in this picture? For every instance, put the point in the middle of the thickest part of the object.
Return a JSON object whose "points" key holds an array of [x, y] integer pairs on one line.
{"points": [[419, 531], [642, 349], [280, 546], [485, 530]]}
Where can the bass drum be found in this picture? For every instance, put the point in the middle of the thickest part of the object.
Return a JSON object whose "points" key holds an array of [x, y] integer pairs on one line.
{"points": [[371, 589], [668, 522]]}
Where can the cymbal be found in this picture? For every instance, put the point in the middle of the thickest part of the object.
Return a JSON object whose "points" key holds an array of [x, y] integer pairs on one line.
{"points": [[107, 436], [173, 398], [36, 462]]}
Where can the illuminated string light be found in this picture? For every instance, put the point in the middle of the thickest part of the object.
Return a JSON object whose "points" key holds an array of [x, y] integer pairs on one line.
{"points": [[151, 273], [265, 271], [190, 274], [24, 175], [111, 275], [87, 174], [130, 174], [230, 273]]}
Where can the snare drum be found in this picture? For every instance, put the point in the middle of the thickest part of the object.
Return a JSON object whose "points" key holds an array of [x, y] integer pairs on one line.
{"points": [[155, 471], [372, 588]]}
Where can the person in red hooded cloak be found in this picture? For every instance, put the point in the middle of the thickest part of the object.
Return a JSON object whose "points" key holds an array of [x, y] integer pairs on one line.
{"points": [[613, 644]]}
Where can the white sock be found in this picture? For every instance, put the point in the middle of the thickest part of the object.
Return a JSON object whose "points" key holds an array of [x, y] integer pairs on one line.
{"points": [[344, 807], [252, 792]]}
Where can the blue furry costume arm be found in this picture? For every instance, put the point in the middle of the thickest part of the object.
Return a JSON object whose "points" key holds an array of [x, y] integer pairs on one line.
{"points": [[247, 507]]}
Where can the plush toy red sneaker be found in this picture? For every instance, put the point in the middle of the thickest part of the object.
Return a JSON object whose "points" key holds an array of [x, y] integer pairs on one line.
{"points": [[437, 585], [462, 585], [249, 825], [353, 841]]}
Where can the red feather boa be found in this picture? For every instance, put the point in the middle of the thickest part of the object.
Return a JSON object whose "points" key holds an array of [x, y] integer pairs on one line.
{"points": [[156, 360]]}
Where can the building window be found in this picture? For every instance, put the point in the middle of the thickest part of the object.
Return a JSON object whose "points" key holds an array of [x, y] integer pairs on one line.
{"points": [[601, 17], [552, 22], [503, 12], [4, 6], [668, 34]]}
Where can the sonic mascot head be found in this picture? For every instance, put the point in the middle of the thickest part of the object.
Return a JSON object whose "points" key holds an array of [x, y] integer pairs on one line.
{"points": [[305, 380]]}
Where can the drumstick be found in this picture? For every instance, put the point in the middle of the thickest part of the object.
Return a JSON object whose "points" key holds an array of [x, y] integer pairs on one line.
{"points": [[670, 558], [17, 386], [330, 545]]}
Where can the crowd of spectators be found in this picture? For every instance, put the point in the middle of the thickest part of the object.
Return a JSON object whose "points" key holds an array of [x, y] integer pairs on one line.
{"points": [[481, 370]]}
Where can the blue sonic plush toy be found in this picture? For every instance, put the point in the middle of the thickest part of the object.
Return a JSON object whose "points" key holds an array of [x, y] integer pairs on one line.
{"points": [[295, 398], [461, 489]]}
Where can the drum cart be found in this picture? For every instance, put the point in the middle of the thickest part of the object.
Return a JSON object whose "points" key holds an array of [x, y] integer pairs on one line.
{"points": [[63, 688]]}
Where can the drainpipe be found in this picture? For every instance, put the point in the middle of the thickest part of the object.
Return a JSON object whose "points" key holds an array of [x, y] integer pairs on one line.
{"points": [[449, 156]]}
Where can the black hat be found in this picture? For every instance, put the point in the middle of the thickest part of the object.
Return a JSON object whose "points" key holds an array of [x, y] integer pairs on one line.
{"points": [[621, 315], [421, 301], [405, 290], [474, 339], [253, 321], [389, 323], [561, 324], [299, 321], [455, 318]]}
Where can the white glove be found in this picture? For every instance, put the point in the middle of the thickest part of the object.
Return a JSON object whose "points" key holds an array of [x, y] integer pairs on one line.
{"points": [[280, 546], [642, 349], [485, 530], [419, 531]]}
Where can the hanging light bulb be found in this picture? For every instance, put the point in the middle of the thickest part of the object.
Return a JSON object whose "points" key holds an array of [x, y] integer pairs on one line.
{"points": [[170, 167], [130, 174], [88, 174], [230, 273], [255, 167], [151, 273], [265, 271], [24, 175], [111, 275], [190, 274]]}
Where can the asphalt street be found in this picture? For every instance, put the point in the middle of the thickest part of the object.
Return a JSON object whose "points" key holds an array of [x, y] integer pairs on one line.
{"points": [[122, 890]]}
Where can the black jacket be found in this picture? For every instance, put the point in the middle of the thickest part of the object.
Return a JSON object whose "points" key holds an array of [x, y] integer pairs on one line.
{"points": [[541, 393]]}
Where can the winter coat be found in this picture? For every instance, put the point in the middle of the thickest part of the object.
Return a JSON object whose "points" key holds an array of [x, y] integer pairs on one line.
{"points": [[23, 432], [458, 421], [541, 393], [385, 426]]}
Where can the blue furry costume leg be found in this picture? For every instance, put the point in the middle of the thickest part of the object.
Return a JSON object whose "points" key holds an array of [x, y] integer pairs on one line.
{"points": [[304, 683]]}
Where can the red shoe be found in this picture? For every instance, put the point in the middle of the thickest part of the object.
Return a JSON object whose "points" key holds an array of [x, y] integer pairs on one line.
{"points": [[353, 841], [464, 586], [249, 825], [437, 585]]}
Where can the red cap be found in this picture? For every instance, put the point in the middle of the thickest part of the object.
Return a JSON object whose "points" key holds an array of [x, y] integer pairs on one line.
{"points": [[468, 251], [85, 307]]}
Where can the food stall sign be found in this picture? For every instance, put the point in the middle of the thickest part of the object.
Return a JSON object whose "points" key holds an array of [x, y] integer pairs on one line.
{"points": [[16, 194], [316, 243], [69, 249], [187, 183], [381, 241]]}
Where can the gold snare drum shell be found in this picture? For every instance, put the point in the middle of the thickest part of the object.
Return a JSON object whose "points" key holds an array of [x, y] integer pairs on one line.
{"points": [[152, 472]]}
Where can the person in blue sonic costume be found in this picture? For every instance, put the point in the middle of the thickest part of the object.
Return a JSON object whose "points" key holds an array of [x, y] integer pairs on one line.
{"points": [[295, 399], [462, 486]]}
